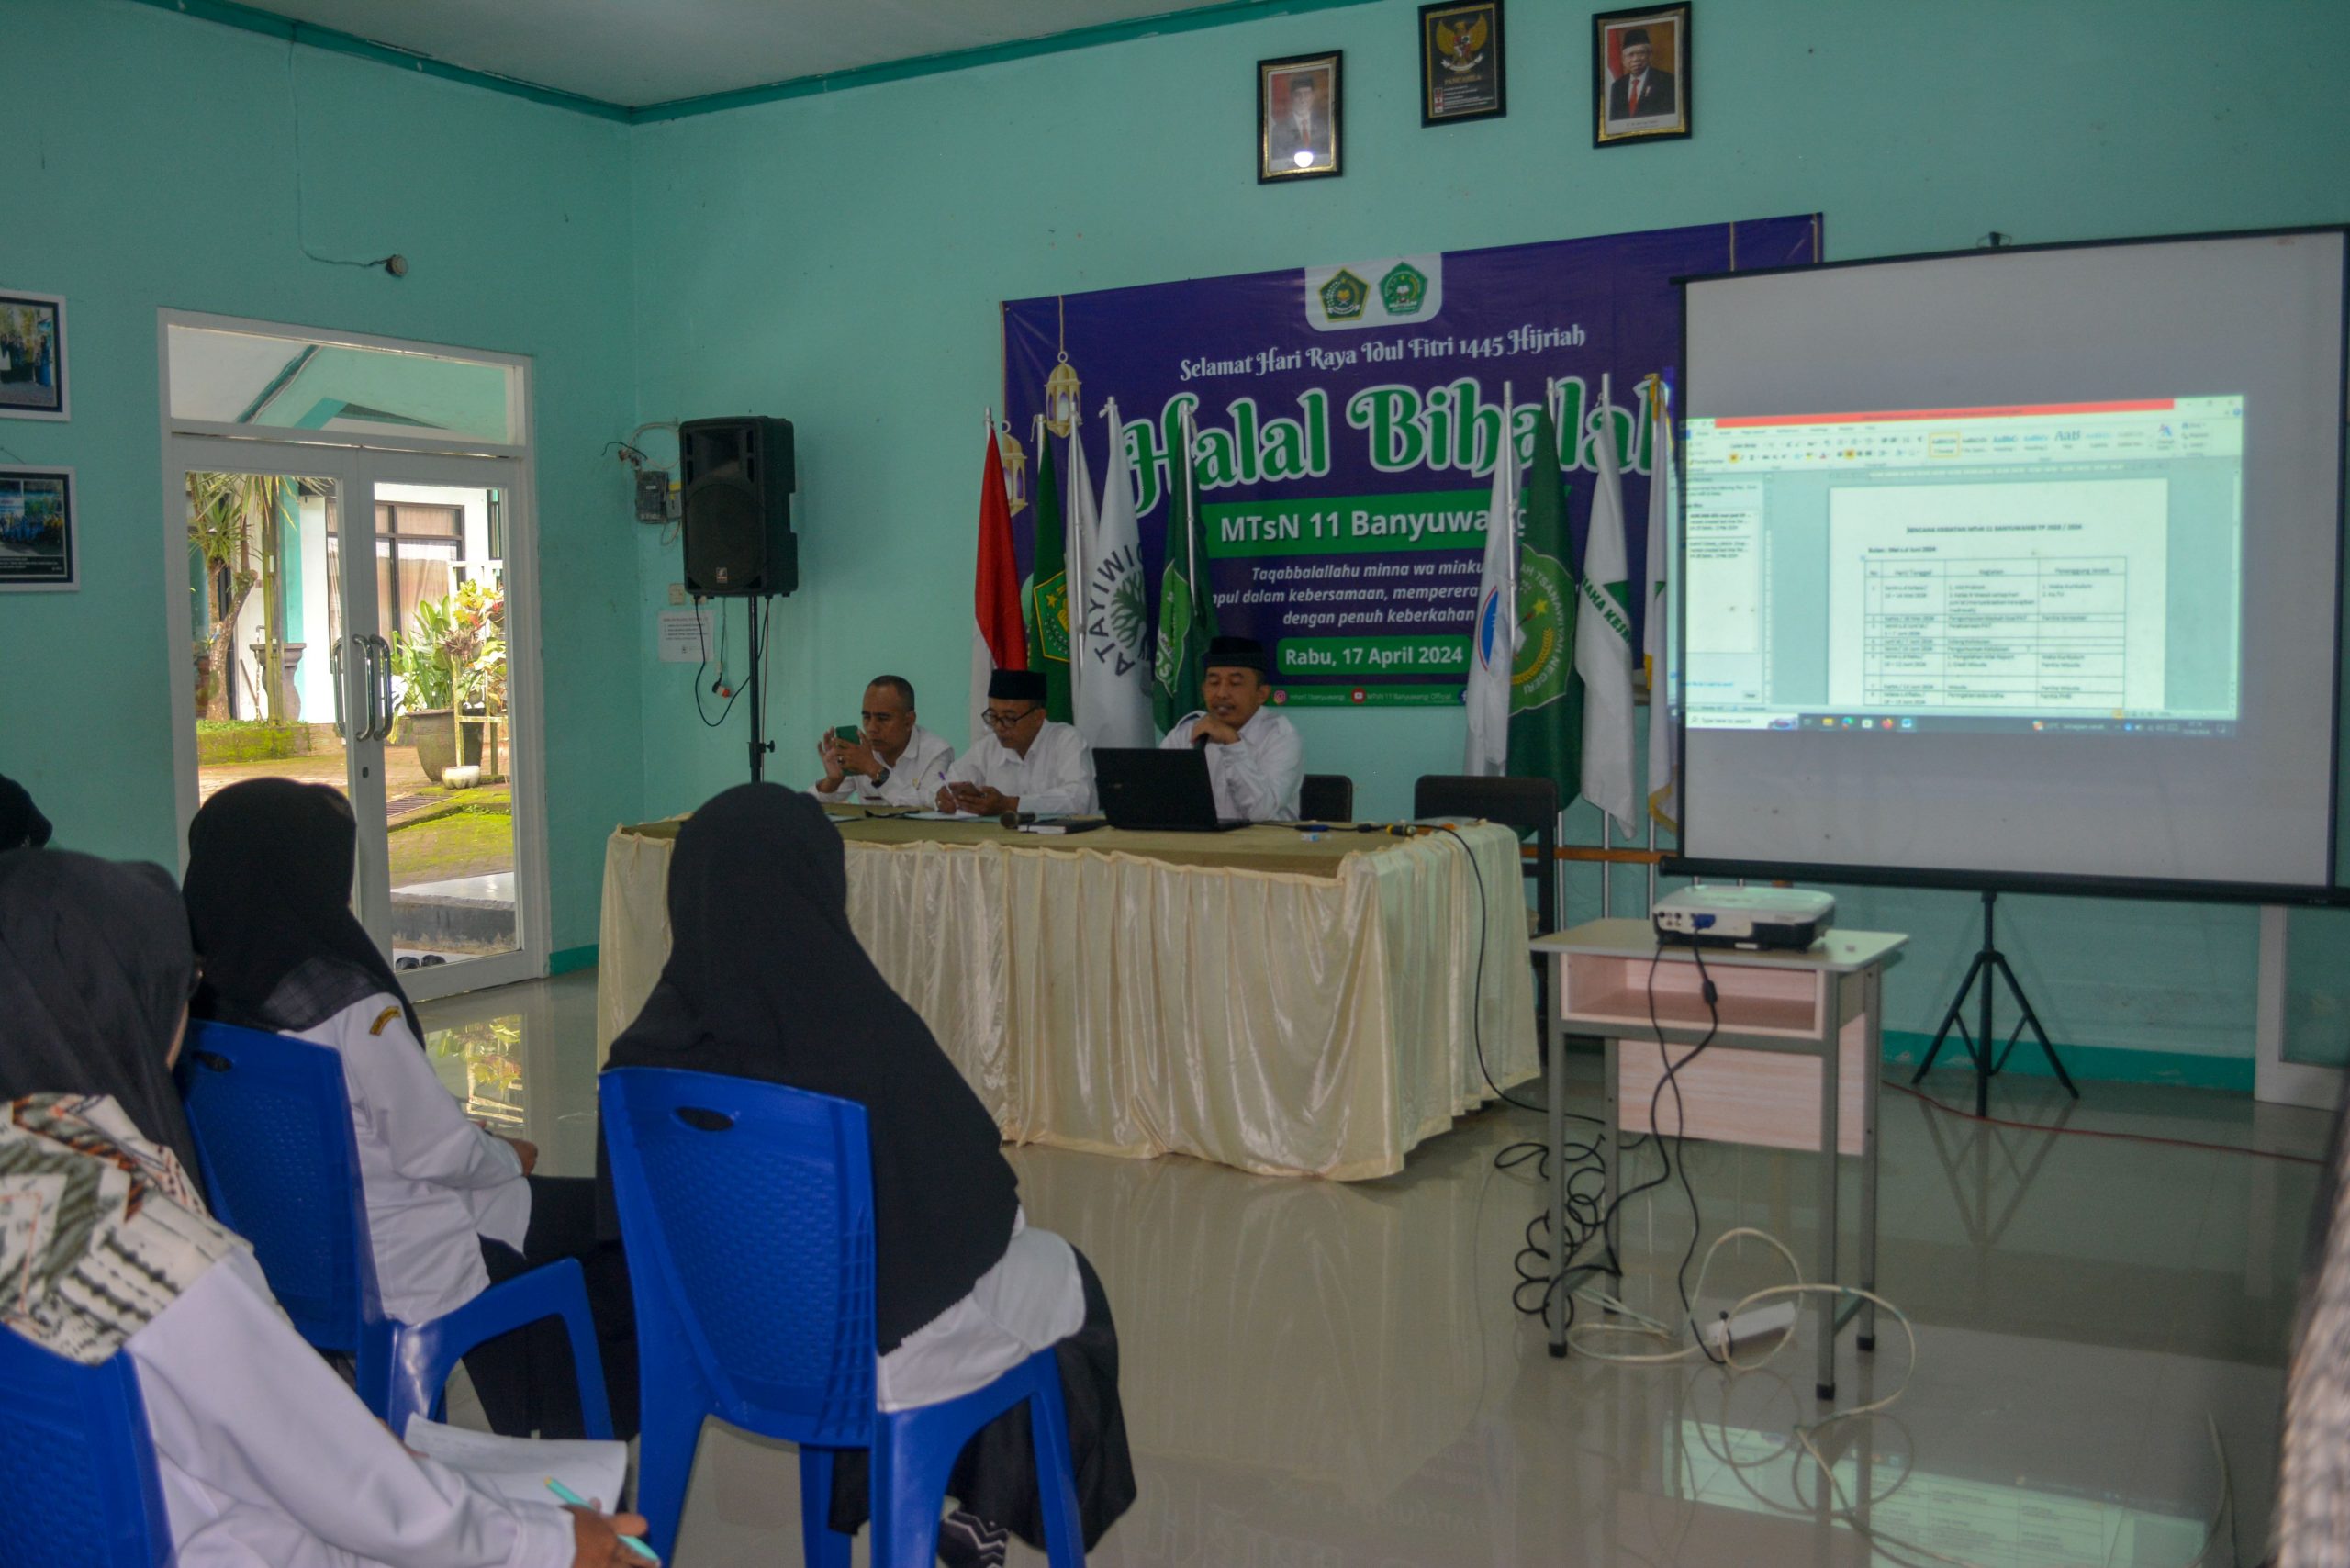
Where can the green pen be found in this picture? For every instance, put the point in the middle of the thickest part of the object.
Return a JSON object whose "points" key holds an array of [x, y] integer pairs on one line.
{"points": [[564, 1494]]}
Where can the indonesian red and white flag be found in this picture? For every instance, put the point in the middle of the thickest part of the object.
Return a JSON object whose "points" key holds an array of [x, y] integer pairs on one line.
{"points": [[999, 637]]}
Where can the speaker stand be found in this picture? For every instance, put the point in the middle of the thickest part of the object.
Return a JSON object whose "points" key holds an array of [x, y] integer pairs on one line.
{"points": [[1990, 965], [760, 744]]}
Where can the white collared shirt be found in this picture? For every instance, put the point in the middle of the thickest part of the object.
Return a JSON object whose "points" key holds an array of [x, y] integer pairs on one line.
{"points": [[914, 777], [1260, 777], [264, 1455], [1032, 1299], [434, 1182], [1056, 776]]}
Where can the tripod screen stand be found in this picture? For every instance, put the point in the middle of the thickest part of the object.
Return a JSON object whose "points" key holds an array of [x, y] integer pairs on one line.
{"points": [[1990, 965]]}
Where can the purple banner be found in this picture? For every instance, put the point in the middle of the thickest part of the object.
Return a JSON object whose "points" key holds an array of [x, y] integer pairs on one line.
{"points": [[1348, 418]]}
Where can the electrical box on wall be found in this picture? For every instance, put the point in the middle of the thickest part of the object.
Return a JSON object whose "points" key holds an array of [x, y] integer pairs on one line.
{"points": [[653, 499]]}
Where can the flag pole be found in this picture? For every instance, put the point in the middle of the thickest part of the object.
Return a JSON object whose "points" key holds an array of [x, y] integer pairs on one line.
{"points": [[1505, 450], [1606, 824]]}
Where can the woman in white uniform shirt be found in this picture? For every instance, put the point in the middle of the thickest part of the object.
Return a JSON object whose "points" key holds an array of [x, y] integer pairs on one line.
{"points": [[450, 1207], [264, 1455]]}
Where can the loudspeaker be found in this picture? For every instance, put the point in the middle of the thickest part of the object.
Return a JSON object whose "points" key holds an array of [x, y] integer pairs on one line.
{"points": [[737, 477]]}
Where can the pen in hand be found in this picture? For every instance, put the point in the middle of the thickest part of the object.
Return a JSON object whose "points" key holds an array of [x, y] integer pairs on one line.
{"points": [[565, 1495]]}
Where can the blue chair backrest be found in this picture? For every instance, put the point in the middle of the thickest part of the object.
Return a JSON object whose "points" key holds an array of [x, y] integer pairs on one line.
{"points": [[76, 1464], [271, 1120], [751, 1207]]}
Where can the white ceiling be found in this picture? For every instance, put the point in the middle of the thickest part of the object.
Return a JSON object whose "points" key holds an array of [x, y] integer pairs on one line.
{"points": [[635, 52]]}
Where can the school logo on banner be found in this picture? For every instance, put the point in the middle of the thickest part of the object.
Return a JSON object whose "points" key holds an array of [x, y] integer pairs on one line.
{"points": [[1338, 300], [1343, 296], [1404, 290]]}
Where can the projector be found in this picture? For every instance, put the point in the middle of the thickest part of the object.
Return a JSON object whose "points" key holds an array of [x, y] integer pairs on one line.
{"points": [[1785, 918]]}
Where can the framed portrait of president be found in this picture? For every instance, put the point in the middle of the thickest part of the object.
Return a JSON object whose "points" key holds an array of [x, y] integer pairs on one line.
{"points": [[1639, 75], [1299, 129]]}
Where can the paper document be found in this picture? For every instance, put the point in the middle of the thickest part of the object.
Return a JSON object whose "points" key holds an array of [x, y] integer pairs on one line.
{"points": [[949, 817], [518, 1469]]}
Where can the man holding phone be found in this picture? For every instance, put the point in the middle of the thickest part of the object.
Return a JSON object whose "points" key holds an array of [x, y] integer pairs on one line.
{"points": [[1025, 762], [890, 760]]}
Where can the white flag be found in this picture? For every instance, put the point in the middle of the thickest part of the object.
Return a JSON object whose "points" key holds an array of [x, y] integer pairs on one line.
{"points": [[1656, 642], [1604, 635], [1494, 637], [1079, 523], [1113, 702]]}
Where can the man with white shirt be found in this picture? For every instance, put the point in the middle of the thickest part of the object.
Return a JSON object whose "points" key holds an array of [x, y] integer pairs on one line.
{"points": [[1025, 762], [1255, 763], [1641, 90], [895, 762]]}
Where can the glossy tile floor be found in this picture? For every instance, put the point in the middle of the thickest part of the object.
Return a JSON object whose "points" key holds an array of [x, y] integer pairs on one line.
{"points": [[1321, 1376]]}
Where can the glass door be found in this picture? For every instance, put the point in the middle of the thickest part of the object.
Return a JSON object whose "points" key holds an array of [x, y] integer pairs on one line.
{"points": [[456, 856], [348, 613]]}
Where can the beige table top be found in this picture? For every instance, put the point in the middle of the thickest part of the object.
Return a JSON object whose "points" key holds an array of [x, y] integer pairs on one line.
{"points": [[1839, 952], [1265, 847]]}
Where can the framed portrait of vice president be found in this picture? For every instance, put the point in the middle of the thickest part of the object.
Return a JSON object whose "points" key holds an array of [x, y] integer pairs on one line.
{"points": [[1641, 74]]}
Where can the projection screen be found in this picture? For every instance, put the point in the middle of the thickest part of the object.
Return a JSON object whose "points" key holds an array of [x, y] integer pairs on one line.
{"points": [[2017, 567]]}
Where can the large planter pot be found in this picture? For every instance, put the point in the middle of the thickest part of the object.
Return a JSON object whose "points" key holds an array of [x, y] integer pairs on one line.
{"points": [[433, 735]]}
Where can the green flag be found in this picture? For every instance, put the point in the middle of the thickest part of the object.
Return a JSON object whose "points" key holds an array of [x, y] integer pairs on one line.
{"points": [[1544, 693], [1186, 607], [1045, 606]]}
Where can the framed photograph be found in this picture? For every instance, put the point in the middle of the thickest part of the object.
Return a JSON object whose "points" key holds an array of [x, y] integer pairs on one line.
{"points": [[32, 355], [36, 528], [1639, 75], [1298, 121], [1461, 62]]}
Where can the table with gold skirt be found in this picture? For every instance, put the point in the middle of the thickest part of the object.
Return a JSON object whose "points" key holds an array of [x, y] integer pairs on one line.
{"points": [[1284, 1005]]}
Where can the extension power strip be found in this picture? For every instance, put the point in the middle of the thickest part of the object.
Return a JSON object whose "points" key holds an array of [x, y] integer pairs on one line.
{"points": [[1749, 1328]]}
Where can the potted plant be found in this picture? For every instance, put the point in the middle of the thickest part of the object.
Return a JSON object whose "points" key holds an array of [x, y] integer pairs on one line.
{"points": [[453, 660]]}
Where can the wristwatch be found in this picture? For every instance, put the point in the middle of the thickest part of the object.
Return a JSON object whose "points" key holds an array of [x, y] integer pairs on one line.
{"points": [[880, 778]]}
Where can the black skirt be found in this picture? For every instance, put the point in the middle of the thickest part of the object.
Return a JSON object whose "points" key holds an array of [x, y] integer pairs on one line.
{"points": [[996, 1476]]}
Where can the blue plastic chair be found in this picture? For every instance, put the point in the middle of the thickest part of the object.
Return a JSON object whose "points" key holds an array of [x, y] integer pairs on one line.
{"points": [[747, 1212], [76, 1464], [271, 1120]]}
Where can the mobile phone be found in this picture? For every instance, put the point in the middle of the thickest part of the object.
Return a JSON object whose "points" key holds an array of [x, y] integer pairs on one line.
{"points": [[847, 734]]}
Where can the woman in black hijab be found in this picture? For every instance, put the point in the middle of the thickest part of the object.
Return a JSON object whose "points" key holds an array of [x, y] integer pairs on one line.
{"points": [[263, 1454], [64, 918], [766, 980], [21, 824], [269, 866], [452, 1208]]}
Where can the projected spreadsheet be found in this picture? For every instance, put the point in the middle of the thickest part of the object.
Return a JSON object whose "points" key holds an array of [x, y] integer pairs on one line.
{"points": [[2009, 568]]}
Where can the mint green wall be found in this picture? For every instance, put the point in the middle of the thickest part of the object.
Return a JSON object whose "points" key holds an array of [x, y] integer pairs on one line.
{"points": [[838, 259], [157, 171]]}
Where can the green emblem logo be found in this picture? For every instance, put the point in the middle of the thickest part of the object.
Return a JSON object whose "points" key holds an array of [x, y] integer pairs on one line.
{"points": [[1546, 619], [1174, 632], [1405, 289], [1343, 296], [1128, 612], [1052, 617]]}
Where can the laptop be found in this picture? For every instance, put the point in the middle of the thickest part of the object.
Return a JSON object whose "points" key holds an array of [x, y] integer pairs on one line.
{"points": [[1158, 792]]}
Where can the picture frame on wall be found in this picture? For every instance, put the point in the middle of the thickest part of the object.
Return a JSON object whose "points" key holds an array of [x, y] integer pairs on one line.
{"points": [[32, 355], [1462, 72], [1641, 70], [36, 529], [1300, 126]]}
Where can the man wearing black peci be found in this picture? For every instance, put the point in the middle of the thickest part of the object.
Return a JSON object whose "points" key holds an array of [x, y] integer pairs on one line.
{"points": [[1640, 92], [1255, 763]]}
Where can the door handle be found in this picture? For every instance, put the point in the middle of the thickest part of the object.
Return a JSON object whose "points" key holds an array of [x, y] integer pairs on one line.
{"points": [[334, 669], [379, 688]]}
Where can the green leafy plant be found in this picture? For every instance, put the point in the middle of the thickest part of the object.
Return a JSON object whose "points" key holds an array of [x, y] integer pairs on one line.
{"points": [[231, 519]]}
